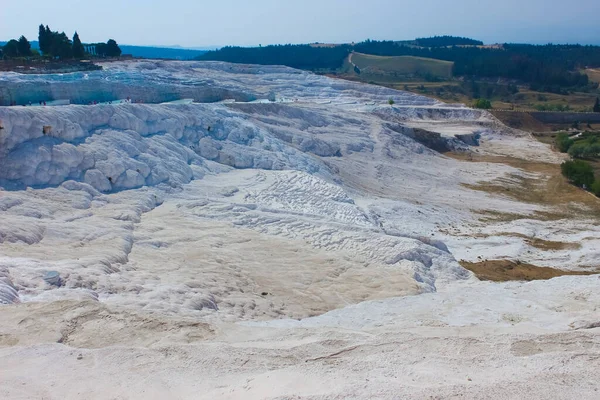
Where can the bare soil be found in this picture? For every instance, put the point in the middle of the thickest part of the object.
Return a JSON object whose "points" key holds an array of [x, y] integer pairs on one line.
{"points": [[548, 188], [508, 270]]}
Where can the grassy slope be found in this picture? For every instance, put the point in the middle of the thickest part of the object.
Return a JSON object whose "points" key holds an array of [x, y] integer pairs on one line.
{"points": [[401, 66], [593, 74]]}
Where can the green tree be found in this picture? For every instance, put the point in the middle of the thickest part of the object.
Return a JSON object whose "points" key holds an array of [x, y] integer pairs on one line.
{"points": [[112, 49], [78, 49], [61, 46], [44, 39], [595, 188], [391, 102], [578, 172], [11, 49], [483, 104], [563, 142], [101, 49], [597, 105], [24, 47], [585, 149]]}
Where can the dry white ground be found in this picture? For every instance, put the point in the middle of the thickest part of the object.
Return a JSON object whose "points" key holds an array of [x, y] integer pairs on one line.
{"points": [[299, 249]]}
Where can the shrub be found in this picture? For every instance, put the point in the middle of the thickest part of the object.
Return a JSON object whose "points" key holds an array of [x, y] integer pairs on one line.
{"points": [[552, 107], [391, 102], [482, 103], [584, 149], [595, 188], [578, 172], [563, 142]]}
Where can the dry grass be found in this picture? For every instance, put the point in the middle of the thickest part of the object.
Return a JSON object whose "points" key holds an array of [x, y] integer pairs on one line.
{"points": [[520, 120], [549, 245], [507, 270], [541, 244], [593, 74], [548, 188]]}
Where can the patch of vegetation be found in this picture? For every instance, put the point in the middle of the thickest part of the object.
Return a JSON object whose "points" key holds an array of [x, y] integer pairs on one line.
{"points": [[595, 188], [586, 145], [403, 67], [17, 48], [578, 172], [564, 142], [55, 45], [483, 104], [584, 149], [553, 107]]}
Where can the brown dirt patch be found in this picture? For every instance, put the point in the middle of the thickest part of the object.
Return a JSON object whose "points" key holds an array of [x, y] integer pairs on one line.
{"points": [[593, 74], [507, 270], [548, 188], [521, 120], [549, 245]]}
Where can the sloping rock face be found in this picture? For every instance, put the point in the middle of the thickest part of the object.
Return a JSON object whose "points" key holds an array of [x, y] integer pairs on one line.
{"points": [[307, 143]]}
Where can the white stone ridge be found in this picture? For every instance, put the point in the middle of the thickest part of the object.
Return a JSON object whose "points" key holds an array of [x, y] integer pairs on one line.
{"points": [[158, 81], [136, 145]]}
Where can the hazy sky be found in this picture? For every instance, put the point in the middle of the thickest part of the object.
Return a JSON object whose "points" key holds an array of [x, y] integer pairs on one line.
{"points": [[196, 23]]}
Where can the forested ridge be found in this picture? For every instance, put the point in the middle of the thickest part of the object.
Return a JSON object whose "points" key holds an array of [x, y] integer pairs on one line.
{"points": [[301, 56], [552, 68]]}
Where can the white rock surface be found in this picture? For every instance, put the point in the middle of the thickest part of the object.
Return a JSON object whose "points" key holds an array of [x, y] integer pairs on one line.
{"points": [[302, 248]]}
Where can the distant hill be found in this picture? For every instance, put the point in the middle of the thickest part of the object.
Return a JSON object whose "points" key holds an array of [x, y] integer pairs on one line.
{"points": [[548, 68], [147, 51], [161, 52], [444, 41]]}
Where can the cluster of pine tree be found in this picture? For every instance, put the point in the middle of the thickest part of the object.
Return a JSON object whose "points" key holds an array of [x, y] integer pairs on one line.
{"points": [[17, 48], [57, 45], [302, 56]]}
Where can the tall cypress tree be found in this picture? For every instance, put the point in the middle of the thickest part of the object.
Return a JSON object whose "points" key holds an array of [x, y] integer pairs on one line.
{"points": [[43, 40], [78, 50], [597, 105]]}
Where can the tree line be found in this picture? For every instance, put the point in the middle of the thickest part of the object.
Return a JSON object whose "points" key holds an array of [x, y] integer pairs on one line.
{"points": [[57, 45], [445, 41], [550, 68], [301, 56]]}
